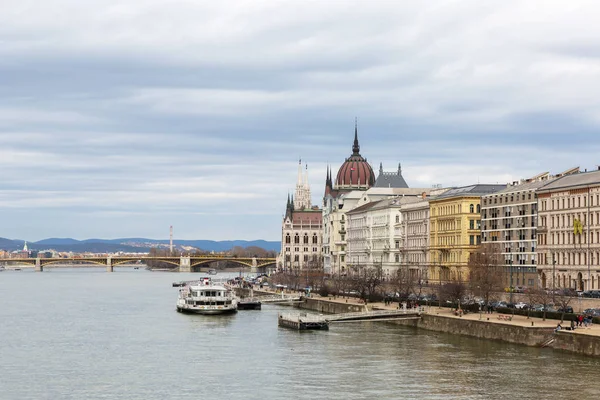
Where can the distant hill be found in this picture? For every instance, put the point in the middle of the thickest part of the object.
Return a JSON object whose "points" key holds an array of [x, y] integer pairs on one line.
{"points": [[132, 244]]}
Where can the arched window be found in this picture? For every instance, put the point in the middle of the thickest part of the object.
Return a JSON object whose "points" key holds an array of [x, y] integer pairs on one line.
{"points": [[297, 239], [478, 208], [287, 238], [305, 238], [471, 209], [315, 239]]}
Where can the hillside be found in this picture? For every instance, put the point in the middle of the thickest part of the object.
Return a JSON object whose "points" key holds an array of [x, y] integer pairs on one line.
{"points": [[131, 244]]}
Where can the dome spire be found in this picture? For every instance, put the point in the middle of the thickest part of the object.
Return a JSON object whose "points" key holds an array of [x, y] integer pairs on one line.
{"points": [[355, 146]]}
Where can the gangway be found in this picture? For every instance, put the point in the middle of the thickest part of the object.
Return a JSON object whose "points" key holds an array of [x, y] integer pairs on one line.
{"points": [[377, 315]]}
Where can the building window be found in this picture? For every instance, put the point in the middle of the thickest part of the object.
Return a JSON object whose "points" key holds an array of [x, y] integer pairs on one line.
{"points": [[315, 239], [478, 208], [305, 239], [296, 239], [287, 238], [397, 257], [397, 244], [297, 257], [342, 258], [472, 240], [397, 219], [471, 208], [472, 224]]}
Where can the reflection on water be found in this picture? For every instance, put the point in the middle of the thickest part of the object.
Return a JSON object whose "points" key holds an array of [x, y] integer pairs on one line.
{"points": [[88, 334]]}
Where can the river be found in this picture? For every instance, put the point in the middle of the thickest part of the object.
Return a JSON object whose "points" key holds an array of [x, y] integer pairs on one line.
{"points": [[88, 334]]}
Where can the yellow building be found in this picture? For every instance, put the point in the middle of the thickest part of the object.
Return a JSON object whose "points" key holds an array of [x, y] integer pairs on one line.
{"points": [[455, 228]]}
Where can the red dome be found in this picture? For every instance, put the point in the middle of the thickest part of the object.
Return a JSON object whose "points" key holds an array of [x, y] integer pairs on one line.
{"points": [[355, 171]]}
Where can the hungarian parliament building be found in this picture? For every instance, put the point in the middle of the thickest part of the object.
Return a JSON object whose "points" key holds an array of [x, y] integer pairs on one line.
{"points": [[546, 227]]}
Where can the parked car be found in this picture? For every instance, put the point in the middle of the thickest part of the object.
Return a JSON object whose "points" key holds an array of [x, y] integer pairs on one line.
{"points": [[595, 294], [521, 306], [567, 309]]}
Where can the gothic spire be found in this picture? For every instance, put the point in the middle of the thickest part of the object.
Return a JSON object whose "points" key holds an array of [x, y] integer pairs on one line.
{"points": [[355, 146]]}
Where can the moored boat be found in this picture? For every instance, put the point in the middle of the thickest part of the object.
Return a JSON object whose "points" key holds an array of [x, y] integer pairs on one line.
{"points": [[212, 271], [206, 297]]}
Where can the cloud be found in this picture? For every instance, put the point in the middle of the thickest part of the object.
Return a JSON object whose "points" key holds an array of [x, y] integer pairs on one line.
{"points": [[121, 119]]}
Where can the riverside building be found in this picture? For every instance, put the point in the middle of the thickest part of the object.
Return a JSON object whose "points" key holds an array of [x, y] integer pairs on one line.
{"points": [[391, 233], [509, 219], [355, 175], [301, 237], [455, 231], [569, 232]]}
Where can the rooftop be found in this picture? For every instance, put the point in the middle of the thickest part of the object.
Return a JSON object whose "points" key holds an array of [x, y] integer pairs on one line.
{"points": [[472, 190], [580, 179]]}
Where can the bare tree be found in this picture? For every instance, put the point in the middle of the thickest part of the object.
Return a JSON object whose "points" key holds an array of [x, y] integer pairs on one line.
{"points": [[542, 297], [563, 298], [486, 272], [402, 284], [453, 291]]}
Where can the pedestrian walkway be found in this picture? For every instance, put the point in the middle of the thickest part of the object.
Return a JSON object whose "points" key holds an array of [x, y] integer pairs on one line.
{"points": [[516, 320]]}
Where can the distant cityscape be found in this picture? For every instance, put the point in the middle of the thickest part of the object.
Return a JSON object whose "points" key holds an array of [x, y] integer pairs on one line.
{"points": [[68, 248]]}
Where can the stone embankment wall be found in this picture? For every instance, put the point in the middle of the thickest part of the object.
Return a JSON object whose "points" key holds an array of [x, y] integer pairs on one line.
{"points": [[529, 336], [329, 307], [577, 343], [525, 335]]}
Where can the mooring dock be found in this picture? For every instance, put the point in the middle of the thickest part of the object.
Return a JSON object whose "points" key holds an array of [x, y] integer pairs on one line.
{"points": [[304, 321]]}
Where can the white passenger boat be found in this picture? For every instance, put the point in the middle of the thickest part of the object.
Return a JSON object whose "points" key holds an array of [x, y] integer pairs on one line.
{"points": [[206, 297]]}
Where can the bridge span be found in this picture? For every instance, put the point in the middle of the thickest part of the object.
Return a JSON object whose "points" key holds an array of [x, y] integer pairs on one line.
{"points": [[183, 263]]}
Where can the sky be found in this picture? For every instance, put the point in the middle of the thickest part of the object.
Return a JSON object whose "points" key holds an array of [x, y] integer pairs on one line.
{"points": [[121, 118]]}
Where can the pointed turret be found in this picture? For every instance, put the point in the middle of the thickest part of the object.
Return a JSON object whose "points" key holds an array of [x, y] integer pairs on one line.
{"points": [[399, 169], [299, 180], [355, 146]]}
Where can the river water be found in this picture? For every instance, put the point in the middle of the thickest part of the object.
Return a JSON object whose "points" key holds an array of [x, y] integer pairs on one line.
{"points": [[89, 334]]}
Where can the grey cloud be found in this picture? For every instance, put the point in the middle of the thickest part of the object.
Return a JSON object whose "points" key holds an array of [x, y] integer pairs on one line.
{"points": [[139, 114]]}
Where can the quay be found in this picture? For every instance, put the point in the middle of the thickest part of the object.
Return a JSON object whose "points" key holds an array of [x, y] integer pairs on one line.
{"points": [[302, 321], [517, 329]]}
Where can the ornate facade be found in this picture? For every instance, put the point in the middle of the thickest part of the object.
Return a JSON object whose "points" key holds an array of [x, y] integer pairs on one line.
{"points": [[356, 175], [455, 232], [301, 231], [569, 232]]}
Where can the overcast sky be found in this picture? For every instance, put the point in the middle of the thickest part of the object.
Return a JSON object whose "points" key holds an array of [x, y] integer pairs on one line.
{"points": [[120, 118]]}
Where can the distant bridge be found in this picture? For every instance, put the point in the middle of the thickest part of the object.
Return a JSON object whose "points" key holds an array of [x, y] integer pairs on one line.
{"points": [[184, 263]]}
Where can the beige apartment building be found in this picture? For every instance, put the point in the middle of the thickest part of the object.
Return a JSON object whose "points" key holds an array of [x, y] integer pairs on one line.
{"points": [[569, 232]]}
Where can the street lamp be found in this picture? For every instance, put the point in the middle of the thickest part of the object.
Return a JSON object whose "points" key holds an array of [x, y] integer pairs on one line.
{"points": [[553, 276], [510, 288]]}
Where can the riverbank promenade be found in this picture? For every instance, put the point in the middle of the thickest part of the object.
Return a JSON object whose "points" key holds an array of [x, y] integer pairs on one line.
{"points": [[491, 318]]}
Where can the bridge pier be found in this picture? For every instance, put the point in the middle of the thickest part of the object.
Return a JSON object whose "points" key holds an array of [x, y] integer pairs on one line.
{"points": [[38, 265], [185, 264], [109, 267], [253, 269]]}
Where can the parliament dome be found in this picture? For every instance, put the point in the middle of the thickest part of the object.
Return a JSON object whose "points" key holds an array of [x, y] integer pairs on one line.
{"points": [[355, 172]]}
